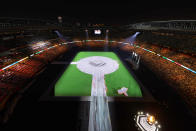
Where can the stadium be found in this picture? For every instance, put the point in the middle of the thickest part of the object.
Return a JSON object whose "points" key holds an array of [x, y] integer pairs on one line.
{"points": [[92, 74]]}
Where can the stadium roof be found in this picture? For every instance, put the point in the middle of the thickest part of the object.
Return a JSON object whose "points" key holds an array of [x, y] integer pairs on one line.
{"points": [[100, 12]]}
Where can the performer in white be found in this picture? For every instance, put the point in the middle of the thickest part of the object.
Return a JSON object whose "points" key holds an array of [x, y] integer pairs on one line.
{"points": [[123, 90]]}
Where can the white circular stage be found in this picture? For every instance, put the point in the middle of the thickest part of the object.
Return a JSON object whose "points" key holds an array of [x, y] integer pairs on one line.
{"points": [[97, 65]]}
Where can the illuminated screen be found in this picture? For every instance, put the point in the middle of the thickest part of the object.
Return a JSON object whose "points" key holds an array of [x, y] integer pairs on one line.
{"points": [[97, 32]]}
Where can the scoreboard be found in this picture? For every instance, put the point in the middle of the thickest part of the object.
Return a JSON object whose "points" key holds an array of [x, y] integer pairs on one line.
{"points": [[97, 32]]}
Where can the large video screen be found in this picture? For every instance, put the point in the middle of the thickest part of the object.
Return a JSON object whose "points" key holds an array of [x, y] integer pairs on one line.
{"points": [[97, 32]]}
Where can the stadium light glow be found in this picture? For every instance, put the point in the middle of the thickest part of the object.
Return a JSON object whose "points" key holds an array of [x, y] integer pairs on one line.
{"points": [[132, 38]]}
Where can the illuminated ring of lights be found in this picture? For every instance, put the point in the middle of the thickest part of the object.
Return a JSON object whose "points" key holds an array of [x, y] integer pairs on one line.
{"points": [[108, 41]]}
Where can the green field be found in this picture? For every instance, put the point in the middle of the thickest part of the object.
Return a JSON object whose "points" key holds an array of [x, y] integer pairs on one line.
{"points": [[76, 83]]}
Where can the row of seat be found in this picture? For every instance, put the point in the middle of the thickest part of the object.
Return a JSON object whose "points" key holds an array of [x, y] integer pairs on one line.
{"points": [[15, 78]]}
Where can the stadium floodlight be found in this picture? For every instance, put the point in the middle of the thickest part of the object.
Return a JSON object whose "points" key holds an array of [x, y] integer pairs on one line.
{"points": [[137, 33], [63, 38], [132, 38]]}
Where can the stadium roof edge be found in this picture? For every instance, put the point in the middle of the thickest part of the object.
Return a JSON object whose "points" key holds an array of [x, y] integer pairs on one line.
{"points": [[163, 21]]}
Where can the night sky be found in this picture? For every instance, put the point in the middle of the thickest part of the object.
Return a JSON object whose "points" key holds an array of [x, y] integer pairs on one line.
{"points": [[95, 11]]}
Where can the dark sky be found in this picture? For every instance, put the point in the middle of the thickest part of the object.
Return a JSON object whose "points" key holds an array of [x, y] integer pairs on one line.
{"points": [[96, 11]]}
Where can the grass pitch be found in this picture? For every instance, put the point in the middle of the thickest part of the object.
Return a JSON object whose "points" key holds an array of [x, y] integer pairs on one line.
{"points": [[76, 83]]}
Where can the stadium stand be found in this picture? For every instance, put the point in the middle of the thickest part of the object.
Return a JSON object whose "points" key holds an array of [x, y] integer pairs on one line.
{"points": [[14, 78], [178, 41], [182, 80]]}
